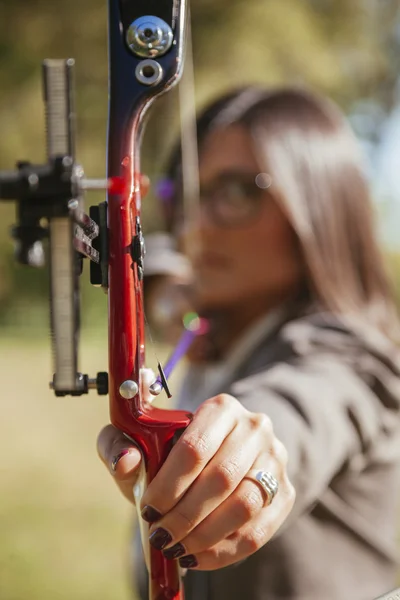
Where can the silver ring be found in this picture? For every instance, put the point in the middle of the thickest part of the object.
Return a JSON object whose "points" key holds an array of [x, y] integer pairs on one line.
{"points": [[268, 483]]}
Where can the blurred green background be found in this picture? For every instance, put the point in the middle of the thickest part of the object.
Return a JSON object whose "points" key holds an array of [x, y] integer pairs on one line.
{"points": [[64, 530]]}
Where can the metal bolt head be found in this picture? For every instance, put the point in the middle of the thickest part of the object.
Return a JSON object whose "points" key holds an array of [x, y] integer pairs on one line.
{"points": [[149, 37], [73, 204], [67, 162], [33, 180], [128, 389], [149, 72]]}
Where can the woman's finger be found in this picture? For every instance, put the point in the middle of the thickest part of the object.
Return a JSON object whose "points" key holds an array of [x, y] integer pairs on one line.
{"points": [[121, 457], [249, 538], [147, 377], [216, 483], [211, 424], [244, 504], [144, 185]]}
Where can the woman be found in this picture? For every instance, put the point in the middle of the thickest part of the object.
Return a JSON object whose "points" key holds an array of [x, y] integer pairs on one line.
{"points": [[300, 361]]}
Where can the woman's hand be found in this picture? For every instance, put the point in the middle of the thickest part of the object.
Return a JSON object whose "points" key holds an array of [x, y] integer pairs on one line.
{"points": [[205, 506]]}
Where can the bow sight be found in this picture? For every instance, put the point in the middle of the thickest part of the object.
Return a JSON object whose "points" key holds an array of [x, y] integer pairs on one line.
{"points": [[49, 206]]}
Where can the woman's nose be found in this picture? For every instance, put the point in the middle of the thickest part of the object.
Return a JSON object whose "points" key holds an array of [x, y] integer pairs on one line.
{"points": [[198, 231]]}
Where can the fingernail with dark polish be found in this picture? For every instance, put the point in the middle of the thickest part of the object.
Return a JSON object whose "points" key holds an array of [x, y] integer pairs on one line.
{"points": [[175, 551], [188, 562], [117, 458], [160, 538], [150, 514]]}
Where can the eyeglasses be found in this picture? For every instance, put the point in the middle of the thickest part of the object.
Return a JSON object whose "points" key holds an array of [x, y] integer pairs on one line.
{"points": [[233, 199]]}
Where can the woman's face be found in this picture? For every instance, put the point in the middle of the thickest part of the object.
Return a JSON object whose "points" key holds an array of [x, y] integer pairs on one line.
{"points": [[254, 260]]}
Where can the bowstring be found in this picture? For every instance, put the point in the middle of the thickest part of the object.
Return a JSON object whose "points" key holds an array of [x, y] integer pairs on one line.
{"points": [[189, 162], [189, 147], [190, 153]]}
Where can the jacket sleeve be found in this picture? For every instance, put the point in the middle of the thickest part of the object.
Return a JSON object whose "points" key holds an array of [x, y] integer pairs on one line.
{"points": [[327, 417]]}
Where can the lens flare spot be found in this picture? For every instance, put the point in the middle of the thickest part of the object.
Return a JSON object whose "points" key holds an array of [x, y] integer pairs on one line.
{"points": [[193, 322]]}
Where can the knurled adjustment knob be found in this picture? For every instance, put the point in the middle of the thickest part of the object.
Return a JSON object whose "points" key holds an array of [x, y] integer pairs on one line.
{"points": [[102, 383]]}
